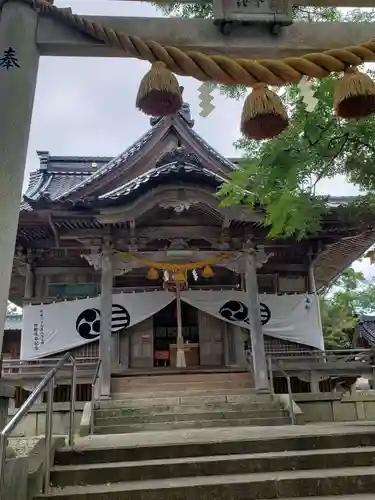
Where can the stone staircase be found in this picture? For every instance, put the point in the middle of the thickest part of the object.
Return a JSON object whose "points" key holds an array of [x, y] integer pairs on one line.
{"points": [[156, 403], [226, 464]]}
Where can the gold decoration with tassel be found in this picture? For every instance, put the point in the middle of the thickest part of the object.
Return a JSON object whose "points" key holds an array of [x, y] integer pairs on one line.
{"points": [[152, 274], [263, 114], [354, 95], [159, 92], [180, 277], [207, 272]]}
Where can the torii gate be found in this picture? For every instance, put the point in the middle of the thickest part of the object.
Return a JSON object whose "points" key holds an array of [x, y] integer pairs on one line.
{"points": [[33, 28]]}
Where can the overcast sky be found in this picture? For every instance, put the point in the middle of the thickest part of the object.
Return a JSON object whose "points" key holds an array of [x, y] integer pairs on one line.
{"points": [[87, 106]]}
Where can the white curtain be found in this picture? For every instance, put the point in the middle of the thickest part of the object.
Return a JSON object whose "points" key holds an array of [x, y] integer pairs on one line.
{"points": [[51, 328], [289, 317]]}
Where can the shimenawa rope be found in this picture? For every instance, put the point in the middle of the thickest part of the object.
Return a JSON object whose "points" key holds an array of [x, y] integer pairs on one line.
{"points": [[217, 68]]}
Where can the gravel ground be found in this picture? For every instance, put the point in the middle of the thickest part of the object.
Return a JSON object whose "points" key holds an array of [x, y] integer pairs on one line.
{"points": [[22, 445]]}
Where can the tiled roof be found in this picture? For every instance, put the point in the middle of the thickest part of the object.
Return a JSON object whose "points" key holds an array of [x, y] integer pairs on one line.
{"points": [[176, 168], [57, 174], [343, 252], [213, 151], [128, 153], [340, 201], [13, 322], [51, 185], [60, 177], [366, 329]]}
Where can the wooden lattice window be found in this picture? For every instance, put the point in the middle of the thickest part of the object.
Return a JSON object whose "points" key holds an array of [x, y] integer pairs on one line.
{"points": [[72, 290]]}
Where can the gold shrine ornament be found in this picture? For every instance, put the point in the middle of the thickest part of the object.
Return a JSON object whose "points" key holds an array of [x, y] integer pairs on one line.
{"points": [[178, 271]]}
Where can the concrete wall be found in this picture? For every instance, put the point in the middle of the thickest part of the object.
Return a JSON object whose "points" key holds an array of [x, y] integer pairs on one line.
{"points": [[15, 479], [335, 407], [34, 422], [23, 478]]}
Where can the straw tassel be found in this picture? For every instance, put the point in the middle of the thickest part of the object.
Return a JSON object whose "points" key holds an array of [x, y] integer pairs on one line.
{"points": [[180, 277], [159, 93], [354, 95], [152, 274], [263, 114], [207, 272]]}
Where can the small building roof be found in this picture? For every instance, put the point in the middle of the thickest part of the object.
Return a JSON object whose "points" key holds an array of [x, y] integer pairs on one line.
{"points": [[56, 175], [13, 322], [365, 331]]}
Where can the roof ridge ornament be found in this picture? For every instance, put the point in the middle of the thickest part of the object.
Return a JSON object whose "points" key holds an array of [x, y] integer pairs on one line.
{"points": [[43, 159], [184, 113], [180, 155]]}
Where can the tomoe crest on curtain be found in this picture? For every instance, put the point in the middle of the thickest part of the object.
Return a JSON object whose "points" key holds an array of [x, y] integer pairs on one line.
{"points": [[234, 310], [88, 321]]}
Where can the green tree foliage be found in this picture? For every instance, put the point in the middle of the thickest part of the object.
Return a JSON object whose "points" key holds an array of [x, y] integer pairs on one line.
{"points": [[349, 296], [283, 174], [205, 11]]}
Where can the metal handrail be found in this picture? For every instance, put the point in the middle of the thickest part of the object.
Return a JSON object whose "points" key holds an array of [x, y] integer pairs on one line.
{"points": [[94, 380], [317, 352], [15, 369], [321, 355], [270, 360], [46, 383]]}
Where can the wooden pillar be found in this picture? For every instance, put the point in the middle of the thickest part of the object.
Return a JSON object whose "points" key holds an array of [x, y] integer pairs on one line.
{"points": [[180, 354], [226, 343], [29, 281], [311, 280], [115, 351], [105, 341], [41, 286], [314, 382], [256, 332], [19, 59], [312, 290]]}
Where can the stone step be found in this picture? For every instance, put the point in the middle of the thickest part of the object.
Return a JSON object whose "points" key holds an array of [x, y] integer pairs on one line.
{"points": [[189, 398], [283, 484], [184, 378], [190, 424], [178, 408], [211, 465], [153, 417], [359, 496], [123, 453], [181, 387]]}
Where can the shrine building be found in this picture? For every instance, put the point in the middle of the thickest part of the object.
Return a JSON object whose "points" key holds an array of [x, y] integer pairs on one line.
{"points": [[122, 223]]}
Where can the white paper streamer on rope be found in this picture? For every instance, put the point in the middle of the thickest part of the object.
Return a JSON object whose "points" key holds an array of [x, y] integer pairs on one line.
{"points": [[205, 99], [306, 88]]}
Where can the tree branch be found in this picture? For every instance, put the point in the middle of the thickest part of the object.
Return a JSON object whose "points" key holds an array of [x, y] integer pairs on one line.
{"points": [[326, 167], [323, 131]]}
